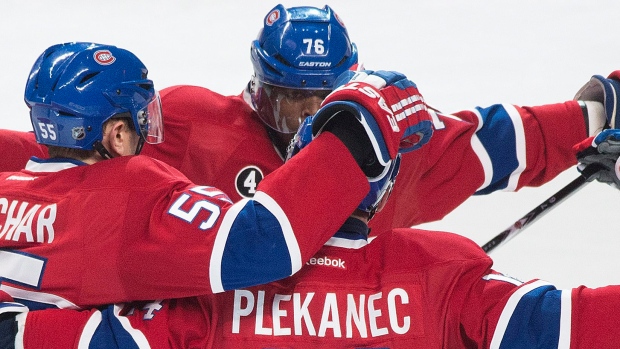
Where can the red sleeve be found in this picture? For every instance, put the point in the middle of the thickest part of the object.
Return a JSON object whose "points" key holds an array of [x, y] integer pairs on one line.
{"points": [[54, 328], [455, 164], [596, 317], [17, 147], [323, 181]]}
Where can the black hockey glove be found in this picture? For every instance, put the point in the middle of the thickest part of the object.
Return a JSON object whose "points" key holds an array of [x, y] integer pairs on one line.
{"points": [[604, 150]]}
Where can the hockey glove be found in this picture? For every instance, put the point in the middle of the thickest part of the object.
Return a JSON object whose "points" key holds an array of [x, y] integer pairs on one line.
{"points": [[375, 114], [605, 91], [603, 150]]}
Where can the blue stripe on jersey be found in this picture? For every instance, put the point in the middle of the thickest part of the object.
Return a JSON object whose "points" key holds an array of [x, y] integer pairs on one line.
{"points": [[498, 137], [254, 254], [110, 333], [535, 321]]}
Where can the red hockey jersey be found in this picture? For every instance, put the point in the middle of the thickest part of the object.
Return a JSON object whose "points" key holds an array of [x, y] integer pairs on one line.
{"points": [[134, 228], [220, 141], [17, 147], [403, 289]]}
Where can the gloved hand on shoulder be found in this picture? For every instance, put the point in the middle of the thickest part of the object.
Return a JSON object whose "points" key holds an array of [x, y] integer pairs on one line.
{"points": [[376, 114]]}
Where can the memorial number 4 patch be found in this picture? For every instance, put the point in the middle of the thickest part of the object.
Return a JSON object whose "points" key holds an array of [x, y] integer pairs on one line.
{"points": [[247, 180]]}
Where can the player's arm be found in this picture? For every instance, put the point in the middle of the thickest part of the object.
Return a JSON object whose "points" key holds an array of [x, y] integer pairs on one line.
{"points": [[510, 146], [501, 147], [64, 328], [537, 315], [296, 209]]}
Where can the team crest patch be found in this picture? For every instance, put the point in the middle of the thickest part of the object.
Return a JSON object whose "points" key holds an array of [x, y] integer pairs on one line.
{"points": [[78, 133], [272, 17], [104, 57], [247, 180]]}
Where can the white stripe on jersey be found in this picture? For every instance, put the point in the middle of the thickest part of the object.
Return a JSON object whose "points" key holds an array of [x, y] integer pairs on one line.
{"points": [[135, 334], [21, 327], [503, 278], [481, 153], [89, 330], [348, 243], [508, 310], [39, 297], [215, 264], [519, 146], [485, 161], [565, 319]]}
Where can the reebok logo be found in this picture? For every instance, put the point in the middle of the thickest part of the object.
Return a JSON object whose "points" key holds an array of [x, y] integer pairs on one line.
{"points": [[326, 261]]}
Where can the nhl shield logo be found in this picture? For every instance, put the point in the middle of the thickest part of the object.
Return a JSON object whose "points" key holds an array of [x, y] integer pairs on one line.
{"points": [[78, 133]]}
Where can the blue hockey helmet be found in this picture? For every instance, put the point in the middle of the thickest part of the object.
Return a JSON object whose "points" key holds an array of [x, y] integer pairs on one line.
{"points": [[74, 88], [300, 48]]}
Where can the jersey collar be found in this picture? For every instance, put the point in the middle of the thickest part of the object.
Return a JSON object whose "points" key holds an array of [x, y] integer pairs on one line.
{"points": [[36, 164]]}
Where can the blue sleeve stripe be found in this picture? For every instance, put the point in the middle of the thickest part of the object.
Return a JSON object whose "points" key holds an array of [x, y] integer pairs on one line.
{"points": [[115, 331], [215, 264], [138, 337], [535, 316], [508, 312], [499, 143], [287, 230], [247, 253]]}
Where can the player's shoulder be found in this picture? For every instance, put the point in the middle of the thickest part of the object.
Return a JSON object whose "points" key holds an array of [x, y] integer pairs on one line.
{"points": [[436, 245], [189, 101], [144, 169], [14, 136], [186, 92]]}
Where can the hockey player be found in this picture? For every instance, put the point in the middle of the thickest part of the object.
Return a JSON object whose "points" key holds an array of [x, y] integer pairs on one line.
{"points": [[405, 288], [92, 225], [232, 142]]}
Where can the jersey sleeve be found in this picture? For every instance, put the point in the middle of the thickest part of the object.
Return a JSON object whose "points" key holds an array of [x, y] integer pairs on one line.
{"points": [[474, 152], [167, 324], [199, 243], [506, 313]]}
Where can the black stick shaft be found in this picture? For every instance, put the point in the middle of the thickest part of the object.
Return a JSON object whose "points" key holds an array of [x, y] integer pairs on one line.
{"points": [[542, 209]]}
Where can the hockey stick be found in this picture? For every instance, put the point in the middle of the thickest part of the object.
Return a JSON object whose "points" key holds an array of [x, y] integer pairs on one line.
{"points": [[542, 209]]}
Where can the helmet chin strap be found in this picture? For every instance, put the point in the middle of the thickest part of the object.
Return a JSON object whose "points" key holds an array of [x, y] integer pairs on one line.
{"points": [[98, 146], [139, 146]]}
